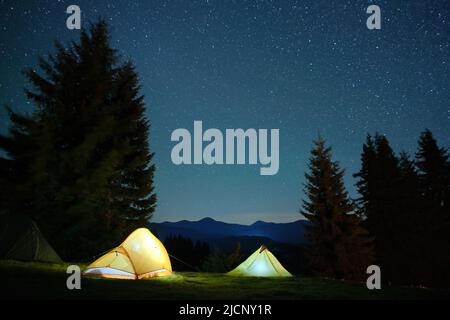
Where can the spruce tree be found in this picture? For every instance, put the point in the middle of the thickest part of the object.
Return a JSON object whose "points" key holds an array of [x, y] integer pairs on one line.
{"points": [[378, 185], [434, 171], [84, 151], [364, 178], [434, 183], [409, 227], [15, 164], [339, 245], [386, 184]]}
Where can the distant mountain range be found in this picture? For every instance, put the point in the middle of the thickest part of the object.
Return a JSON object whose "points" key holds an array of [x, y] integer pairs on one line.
{"points": [[224, 234]]}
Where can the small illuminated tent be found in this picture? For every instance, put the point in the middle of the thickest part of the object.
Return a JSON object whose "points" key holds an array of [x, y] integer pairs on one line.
{"points": [[140, 256], [262, 263]]}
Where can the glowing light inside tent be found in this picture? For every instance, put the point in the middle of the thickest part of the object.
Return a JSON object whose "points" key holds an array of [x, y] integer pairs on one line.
{"points": [[260, 269]]}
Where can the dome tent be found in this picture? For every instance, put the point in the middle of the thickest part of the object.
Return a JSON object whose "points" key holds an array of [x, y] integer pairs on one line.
{"points": [[140, 256], [262, 263], [21, 239]]}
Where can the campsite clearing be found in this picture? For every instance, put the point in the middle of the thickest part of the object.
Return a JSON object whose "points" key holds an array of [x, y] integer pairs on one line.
{"points": [[41, 281]]}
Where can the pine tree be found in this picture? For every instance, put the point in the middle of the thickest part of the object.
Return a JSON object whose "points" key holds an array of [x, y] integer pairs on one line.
{"points": [[85, 151], [434, 171], [386, 184], [365, 176], [340, 246], [409, 228], [14, 166], [378, 185], [434, 184]]}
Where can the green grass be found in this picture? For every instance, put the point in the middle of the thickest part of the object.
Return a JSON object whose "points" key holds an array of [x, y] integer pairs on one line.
{"points": [[41, 281]]}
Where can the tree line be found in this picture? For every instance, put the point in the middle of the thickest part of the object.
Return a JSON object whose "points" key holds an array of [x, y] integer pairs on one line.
{"points": [[189, 255], [400, 220]]}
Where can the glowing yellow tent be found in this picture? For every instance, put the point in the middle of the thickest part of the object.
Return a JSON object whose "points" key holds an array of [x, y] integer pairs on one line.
{"points": [[262, 263], [140, 256]]}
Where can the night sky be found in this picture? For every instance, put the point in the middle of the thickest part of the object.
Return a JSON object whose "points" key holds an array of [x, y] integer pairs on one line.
{"points": [[300, 66]]}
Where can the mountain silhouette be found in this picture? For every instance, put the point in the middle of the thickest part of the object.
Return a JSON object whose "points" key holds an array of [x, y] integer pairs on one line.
{"points": [[208, 229]]}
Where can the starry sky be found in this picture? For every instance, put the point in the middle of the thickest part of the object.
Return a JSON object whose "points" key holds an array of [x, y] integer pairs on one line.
{"points": [[300, 66]]}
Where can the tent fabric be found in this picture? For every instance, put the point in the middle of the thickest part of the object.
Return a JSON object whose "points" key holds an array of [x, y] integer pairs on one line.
{"points": [[262, 263], [21, 239], [140, 256]]}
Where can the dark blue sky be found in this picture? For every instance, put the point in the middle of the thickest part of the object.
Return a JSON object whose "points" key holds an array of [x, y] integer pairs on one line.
{"points": [[299, 66]]}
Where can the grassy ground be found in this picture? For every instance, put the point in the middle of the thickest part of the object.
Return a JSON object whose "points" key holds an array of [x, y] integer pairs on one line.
{"points": [[38, 280]]}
